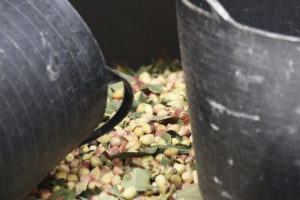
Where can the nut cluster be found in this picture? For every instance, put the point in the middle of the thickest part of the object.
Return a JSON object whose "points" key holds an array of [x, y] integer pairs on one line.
{"points": [[155, 138]]}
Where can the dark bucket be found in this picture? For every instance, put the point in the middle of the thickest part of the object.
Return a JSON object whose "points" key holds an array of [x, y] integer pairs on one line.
{"points": [[243, 85], [53, 88]]}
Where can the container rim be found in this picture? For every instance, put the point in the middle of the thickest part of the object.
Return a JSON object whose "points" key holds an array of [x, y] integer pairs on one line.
{"points": [[223, 14]]}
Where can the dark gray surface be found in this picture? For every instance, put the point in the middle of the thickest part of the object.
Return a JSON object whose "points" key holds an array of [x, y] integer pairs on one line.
{"points": [[243, 91], [132, 31], [53, 89]]}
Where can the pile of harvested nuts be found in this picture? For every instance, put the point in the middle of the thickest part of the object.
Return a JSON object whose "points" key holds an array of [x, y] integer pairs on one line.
{"points": [[148, 156]]}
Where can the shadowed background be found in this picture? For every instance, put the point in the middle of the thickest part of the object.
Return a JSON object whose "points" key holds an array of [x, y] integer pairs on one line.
{"points": [[133, 31]]}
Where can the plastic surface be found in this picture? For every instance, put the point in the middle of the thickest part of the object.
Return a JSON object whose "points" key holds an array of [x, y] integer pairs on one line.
{"points": [[53, 88], [115, 76], [243, 88]]}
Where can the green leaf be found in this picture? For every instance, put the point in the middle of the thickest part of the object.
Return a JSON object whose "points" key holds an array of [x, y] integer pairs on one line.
{"points": [[105, 145], [153, 88], [109, 93], [60, 182], [180, 122], [143, 98], [182, 149], [116, 86], [88, 193], [164, 161], [192, 192], [127, 169], [139, 178], [136, 103], [125, 70], [104, 159], [97, 190], [193, 166], [112, 106], [66, 194], [134, 106], [128, 78], [115, 191], [142, 69], [70, 195], [135, 115], [150, 150], [167, 137], [173, 133], [165, 101]]}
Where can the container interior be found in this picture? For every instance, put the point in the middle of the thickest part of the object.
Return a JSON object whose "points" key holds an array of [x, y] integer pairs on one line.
{"points": [[132, 32], [271, 15]]}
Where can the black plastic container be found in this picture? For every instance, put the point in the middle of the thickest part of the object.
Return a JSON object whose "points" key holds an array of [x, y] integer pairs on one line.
{"points": [[53, 88], [243, 84]]}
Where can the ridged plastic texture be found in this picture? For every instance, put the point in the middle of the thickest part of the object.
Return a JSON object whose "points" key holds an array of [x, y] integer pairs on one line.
{"points": [[52, 89], [243, 88]]}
